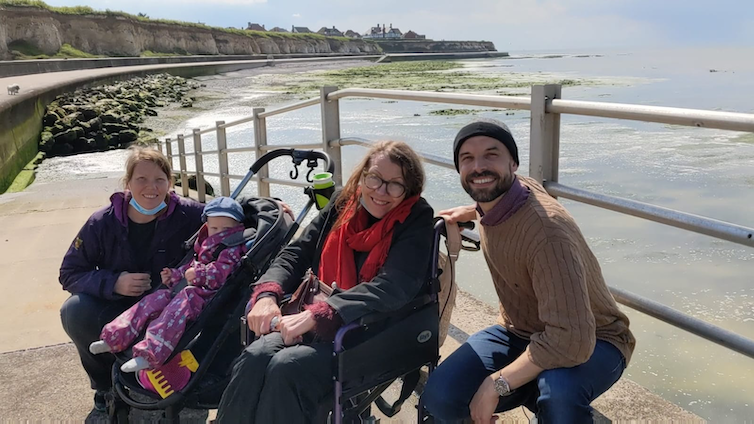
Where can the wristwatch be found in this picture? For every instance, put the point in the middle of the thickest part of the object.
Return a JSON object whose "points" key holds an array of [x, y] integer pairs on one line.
{"points": [[502, 387]]}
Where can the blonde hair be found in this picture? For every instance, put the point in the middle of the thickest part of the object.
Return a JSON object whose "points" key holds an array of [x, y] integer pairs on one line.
{"points": [[400, 154], [144, 154]]}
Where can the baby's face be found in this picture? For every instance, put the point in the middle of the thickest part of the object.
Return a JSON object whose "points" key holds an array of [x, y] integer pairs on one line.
{"points": [[216, 224]]}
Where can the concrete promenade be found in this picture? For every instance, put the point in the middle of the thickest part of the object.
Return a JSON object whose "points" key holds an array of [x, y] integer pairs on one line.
{"points": [[42, 379]]}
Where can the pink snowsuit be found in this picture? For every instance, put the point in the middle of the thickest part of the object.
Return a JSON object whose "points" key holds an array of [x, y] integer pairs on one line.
{"points": [[164, 332]]}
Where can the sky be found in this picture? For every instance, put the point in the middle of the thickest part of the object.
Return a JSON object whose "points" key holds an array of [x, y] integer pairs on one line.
{"points": [[513, 25]]}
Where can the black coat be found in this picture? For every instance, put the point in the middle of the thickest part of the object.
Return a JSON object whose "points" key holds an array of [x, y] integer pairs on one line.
{"points": [[400, 279]]}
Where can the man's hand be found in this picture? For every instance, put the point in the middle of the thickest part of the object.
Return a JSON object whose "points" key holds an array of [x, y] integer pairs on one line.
{"points": [[484, 402], [261, 315], [459, 214], [292, 327], [190, 276], [132, 284]]}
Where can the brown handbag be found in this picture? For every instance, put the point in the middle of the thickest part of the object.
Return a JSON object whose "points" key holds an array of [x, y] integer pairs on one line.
{"points": [[311, 290]]}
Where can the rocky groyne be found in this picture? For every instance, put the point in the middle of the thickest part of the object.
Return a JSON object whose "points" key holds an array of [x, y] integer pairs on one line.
{"points": [[109, 117]]}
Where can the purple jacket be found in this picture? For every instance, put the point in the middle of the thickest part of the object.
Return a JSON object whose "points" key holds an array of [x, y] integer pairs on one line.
{"points": [[211, 273], [100, 252]]}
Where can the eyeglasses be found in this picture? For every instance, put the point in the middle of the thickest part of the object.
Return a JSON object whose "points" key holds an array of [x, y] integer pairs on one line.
{"points": [[374, 182]]}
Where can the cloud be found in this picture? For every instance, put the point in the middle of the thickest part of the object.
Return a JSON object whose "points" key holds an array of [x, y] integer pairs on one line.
{"points": [[296, 15]]}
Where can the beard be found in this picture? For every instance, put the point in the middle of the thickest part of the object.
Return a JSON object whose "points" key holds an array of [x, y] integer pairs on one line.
{"points": [[484, 195]]}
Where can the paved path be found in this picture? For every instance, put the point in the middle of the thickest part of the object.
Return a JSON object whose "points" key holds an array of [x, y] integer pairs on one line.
{"points": [[39, 82], [42, 379]]}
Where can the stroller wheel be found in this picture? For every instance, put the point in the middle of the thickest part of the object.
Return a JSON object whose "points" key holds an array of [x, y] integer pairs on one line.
{"points": [[117, 410]]}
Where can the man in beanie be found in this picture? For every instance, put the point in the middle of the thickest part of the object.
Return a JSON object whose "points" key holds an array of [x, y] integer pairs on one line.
{"points": [[561, 340], [218, 251]]}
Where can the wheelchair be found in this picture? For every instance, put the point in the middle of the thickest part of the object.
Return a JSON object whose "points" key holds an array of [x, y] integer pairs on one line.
{"points": [[408, 343]]}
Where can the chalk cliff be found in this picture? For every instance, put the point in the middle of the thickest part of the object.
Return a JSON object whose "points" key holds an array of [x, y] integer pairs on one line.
{"points": [[117, 35]]}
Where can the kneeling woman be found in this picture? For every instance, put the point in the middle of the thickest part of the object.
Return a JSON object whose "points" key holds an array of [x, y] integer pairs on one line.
{"points": [[374, 241]]}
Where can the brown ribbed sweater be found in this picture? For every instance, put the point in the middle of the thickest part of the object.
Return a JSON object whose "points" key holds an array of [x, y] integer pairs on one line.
{"points": [[550, 285]]}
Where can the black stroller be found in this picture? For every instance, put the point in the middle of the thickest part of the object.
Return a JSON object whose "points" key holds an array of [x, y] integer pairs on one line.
{"points": [[212, 339]]}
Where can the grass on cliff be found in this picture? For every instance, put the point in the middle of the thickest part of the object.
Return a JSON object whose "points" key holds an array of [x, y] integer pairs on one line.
{"points": [[86, 10], [149, 53], [22, 49], [438, 76]]}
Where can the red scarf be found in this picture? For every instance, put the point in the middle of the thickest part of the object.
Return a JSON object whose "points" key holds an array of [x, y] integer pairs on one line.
{"points": [[337, 262]]}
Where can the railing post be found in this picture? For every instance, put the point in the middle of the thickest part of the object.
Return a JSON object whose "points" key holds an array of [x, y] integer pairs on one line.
{"points": [[182, 165], [331, 131], [200, 189], [260, 139], [159, 146], [222, 159], [169, 153], [544, 146]]}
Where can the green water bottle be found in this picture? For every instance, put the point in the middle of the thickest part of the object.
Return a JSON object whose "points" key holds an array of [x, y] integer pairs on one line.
{"points": [[324, 187]]}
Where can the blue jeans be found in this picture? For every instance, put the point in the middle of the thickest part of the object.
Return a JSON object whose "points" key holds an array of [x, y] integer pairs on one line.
{"points": [[560, 395]]}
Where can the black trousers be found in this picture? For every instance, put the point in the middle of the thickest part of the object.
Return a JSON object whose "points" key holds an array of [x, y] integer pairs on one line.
{"points": [[83, 317], [275, 384]]}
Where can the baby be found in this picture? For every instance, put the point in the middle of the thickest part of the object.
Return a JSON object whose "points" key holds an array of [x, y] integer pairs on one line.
{"points": [[169, 317]]}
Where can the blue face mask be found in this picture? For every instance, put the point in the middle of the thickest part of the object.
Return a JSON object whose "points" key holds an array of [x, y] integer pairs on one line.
{"points": [[148, 212], [364, 205]]}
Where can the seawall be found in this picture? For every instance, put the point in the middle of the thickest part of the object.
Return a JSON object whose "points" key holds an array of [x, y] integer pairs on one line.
{"points": [[21, 115]]}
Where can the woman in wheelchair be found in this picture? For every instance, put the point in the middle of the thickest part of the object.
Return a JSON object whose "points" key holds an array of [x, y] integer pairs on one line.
{"points": [[373, 241]]}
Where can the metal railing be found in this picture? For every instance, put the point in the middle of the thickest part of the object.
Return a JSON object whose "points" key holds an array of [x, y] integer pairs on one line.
{"points": [[546, 107]]}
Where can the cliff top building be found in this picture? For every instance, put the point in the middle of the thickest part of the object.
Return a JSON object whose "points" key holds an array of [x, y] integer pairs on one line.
{"points": [[330, 32], [383, 32], [411, 35]]}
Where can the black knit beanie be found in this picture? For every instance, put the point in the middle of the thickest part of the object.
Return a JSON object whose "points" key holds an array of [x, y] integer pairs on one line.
{"points": [[488, 129]]}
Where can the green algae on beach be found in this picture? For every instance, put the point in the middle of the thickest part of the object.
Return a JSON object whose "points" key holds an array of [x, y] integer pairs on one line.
{"points": [[438, 76]]}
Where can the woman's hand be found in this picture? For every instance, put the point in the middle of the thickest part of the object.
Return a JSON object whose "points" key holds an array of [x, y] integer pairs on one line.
{"points": [[165, 274], [292, 327], [132, 284], [261, 315], [459, 214], [484, 402], [190, 276], [287, 209]]}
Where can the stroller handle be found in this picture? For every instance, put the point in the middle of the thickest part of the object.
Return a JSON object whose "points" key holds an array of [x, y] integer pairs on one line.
{"points": [[297, 155], [311, 156]]}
